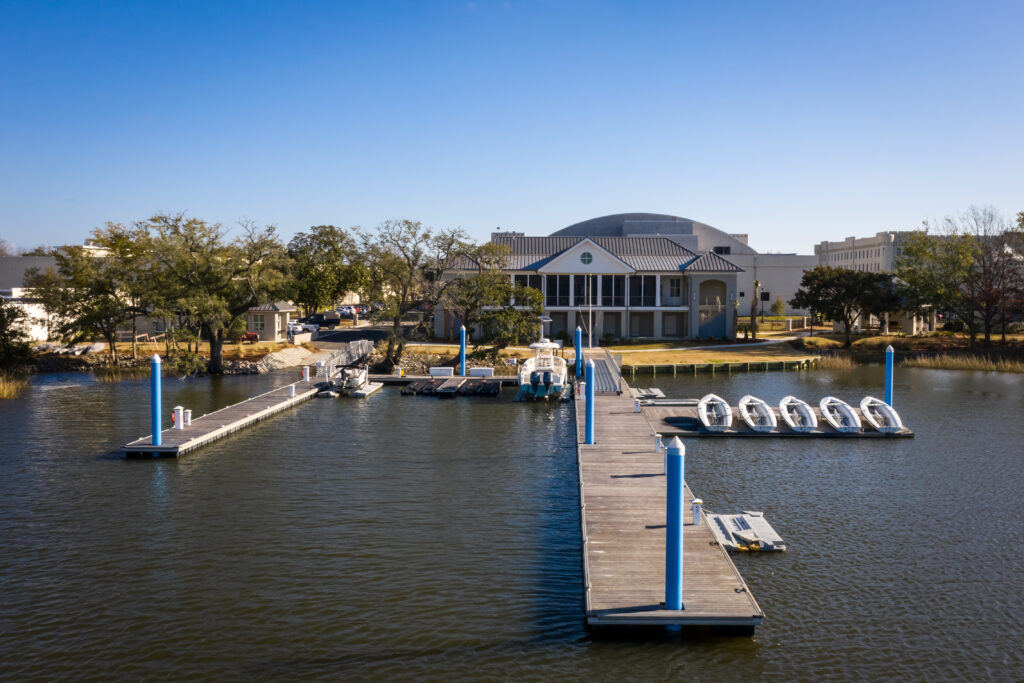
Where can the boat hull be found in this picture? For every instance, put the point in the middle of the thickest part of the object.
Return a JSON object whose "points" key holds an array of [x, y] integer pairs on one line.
{"points": [[797, 415], [714, 413], [757, 414], [839, 415], [880, 415]]}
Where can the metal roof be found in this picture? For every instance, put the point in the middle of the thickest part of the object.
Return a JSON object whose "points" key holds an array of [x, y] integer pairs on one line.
{"points": [[277, 307], [643, 254]]}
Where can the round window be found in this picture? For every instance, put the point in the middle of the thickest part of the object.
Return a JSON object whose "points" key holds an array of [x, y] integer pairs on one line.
{"points": [[586, 258]]}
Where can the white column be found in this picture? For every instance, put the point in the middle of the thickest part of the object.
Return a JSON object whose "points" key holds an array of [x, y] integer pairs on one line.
{"points": [[657, 290], [572, 294], [598, 292]]}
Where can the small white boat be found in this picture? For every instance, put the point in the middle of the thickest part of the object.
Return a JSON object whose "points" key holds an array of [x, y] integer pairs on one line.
{"points": [[839, 414], [352, 379], [797, 414], [880, 415], [543, 376], [758, 415], [714, 413]]}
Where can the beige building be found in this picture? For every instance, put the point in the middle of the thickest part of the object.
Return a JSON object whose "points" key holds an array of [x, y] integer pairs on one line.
{"points": [[874, 254]]}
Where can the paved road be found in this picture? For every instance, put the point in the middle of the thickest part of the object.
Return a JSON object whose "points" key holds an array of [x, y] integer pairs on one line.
{"points": [[372, 332]]}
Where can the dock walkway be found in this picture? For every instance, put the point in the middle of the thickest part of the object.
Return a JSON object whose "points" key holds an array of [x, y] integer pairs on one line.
{"points": [[219, 423], [622, 515]]}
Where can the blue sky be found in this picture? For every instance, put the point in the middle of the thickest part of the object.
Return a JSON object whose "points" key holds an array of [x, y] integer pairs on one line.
{"points": [[793, 122]]}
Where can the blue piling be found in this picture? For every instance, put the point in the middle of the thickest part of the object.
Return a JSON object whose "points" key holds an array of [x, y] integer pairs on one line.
{"points": [[590, 402], [154, 389], [579, 351], [674, 471], [888, 374], [462, 349]]}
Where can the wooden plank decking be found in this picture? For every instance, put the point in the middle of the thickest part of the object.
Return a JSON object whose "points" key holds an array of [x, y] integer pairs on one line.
{"points": [[219, 423], [622, 496]]}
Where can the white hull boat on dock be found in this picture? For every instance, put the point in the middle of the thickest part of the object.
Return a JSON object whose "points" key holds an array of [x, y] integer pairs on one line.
{"points": [[758, 415], [797, 414], [543, 376], [714, 413], [352, 379], [839, 414], [880, 415]]}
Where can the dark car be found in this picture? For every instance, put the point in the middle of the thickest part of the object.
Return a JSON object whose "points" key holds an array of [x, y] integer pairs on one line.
{"points": [[328, 320]]}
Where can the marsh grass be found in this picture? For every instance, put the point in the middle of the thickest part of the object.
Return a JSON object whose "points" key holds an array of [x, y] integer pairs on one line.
{"points": [[956, 362], [11, 385], [835, 362], [109, 375]]}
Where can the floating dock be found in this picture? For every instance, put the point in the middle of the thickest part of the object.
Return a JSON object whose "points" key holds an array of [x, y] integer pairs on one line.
{"points": [[748, 531], [678, 417], [220, 423], [444, 387], [622, 516]]}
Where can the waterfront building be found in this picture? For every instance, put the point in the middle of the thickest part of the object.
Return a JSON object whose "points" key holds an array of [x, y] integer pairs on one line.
{"points": [[643, 275], [12, 288]]}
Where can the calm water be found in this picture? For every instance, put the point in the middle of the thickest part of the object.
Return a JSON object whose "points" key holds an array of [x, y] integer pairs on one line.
{"points": [[403, 537]]}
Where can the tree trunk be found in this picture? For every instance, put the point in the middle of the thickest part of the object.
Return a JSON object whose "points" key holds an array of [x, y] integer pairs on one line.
{"points": [[215, 365], [111, 338], [135, 343]]}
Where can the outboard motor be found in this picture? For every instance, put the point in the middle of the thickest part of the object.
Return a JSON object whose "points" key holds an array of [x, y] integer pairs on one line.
{"points": [[547, 380], [534, 379]]}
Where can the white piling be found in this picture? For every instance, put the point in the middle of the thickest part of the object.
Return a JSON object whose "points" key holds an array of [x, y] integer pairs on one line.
{"points": [[179, 417], [696, 504], [636, 405], [305, 373], [188, 417]]}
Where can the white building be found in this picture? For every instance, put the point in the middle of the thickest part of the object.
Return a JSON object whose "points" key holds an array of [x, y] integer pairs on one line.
{"points": [[645, 275], [874, 254], [12, 288]]}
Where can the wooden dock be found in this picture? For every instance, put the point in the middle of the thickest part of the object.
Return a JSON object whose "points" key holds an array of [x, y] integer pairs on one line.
{"points": [[678, 417], [622, 514], [219, 423]]}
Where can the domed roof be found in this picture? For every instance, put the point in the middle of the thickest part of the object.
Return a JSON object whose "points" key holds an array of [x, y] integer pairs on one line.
{"points": [[702, 237]]}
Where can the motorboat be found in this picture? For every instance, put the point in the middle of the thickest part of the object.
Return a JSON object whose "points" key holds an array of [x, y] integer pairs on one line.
{"points": [[758, 415], [839, 414], [351, 379], [880, 415], [797, 414], [714, 413], [543, 376]]}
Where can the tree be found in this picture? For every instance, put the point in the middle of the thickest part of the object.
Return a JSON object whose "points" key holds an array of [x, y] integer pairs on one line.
{"points": [[843, 294], [325, 265], [211, 281], [129, 251], [488, 286], [83, 294], [14, 348], [517, 318], [407, 264], [6, 248], [753, 309], [778, 306]]}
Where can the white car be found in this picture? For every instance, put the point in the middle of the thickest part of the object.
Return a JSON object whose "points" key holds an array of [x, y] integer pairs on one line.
{"points": [[299, 328]]}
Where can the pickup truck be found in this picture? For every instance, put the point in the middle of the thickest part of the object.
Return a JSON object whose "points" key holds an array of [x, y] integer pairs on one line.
{"points": [[329, 320]]}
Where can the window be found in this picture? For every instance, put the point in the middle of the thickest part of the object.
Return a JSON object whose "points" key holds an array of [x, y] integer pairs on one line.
{"points": [[586, 258], [535, 281], [257, 322], [613, 290], [557, 290], [723, 250], [583, 285], [641, 290], [675, 287]]}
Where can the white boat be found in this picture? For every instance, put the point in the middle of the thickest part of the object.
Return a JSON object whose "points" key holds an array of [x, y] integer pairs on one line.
{"points": [[880, 415], [543, 376], [758, 415], [839, 414], [714, 413], [352, 379], [797, 414]]}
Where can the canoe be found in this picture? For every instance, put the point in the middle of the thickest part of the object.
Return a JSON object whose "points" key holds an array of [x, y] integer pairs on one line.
{"points": [[839, 414], [797, 414], [714, 413], [758, 415], [880, 415]]}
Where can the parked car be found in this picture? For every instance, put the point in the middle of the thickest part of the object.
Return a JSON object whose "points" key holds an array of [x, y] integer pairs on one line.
{"points": [[330, 320], [297, 327]]}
